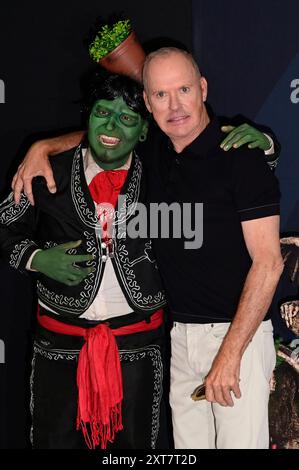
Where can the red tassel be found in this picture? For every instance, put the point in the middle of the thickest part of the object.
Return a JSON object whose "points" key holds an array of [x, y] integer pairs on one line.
{"points": [[99, 383]]}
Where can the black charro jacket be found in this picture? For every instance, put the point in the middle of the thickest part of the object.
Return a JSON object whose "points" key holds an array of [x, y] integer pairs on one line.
{"points": [[70, 215]]}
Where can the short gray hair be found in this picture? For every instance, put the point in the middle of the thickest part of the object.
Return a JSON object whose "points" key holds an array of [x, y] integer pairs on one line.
{"points": [[165, 51]]}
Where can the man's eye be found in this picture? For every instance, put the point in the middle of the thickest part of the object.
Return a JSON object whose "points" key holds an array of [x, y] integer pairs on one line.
{"points": [[102, 113], [128, 120], [160, 94], [185, 89]]}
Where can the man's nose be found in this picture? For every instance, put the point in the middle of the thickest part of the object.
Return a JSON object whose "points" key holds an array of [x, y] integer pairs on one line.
{"points": [[111, 123], [174, 102]]}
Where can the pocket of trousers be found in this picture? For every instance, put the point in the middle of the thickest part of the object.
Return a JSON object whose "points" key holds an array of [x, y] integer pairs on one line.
{"points": [[269, 354], [218, 331]]}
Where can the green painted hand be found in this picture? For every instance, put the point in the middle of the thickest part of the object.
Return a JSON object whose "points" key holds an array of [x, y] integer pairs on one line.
{"points": [[244, 134], [57, 264]]}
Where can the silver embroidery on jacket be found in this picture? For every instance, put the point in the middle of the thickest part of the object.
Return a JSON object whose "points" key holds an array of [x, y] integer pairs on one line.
{"points": [[18, 252], [130, 283], [10, 212]]}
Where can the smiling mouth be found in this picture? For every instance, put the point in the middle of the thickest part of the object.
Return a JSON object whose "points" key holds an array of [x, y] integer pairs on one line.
{"points": [[176, 120], [108, 141]]}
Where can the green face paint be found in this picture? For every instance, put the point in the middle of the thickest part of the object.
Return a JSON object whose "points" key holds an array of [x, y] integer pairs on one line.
{"points": [[113, 132]]}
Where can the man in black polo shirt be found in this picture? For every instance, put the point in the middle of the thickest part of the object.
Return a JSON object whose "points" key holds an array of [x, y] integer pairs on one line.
{"points": [[219, 294]]}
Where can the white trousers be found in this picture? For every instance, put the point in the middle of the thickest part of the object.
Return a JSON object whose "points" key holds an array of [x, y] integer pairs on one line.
{"points": [[205, 425]]}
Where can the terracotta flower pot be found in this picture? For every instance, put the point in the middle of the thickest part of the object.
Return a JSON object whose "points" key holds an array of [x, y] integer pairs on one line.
{"points": [[126, 59]]}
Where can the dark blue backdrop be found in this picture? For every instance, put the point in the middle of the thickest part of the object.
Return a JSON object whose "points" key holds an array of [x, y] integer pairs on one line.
{"points": [[249, 53]]}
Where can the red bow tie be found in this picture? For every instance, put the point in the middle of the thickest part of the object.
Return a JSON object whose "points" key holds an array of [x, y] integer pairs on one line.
{"points": [[106, 186]]}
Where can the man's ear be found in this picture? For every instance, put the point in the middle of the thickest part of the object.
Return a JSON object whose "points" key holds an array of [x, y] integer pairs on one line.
{"points": [[144, 131], [204, 88], [147, 104]]}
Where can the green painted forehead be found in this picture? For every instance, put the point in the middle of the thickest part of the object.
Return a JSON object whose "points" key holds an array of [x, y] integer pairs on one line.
{"points": [[104, 110], [116, 105]]}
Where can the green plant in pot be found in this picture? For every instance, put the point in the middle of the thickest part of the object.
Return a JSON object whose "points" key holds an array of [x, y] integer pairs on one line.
{"points": [[117, 49]]}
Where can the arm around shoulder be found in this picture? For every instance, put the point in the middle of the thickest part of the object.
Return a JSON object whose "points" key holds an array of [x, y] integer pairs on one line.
{"points": [[36, 163]]}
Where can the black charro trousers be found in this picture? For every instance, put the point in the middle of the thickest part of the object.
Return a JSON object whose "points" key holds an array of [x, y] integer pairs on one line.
{"points": [[54, 391]]}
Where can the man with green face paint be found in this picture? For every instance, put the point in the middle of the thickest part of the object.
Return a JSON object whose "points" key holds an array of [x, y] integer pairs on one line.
{"points": [[100, 317]]}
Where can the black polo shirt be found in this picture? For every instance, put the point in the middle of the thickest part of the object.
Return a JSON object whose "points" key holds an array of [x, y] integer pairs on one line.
{"points": [[203, 285]]}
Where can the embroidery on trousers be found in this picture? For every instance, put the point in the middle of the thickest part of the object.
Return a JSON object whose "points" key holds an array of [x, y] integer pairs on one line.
{"points": [[152, 351]]}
